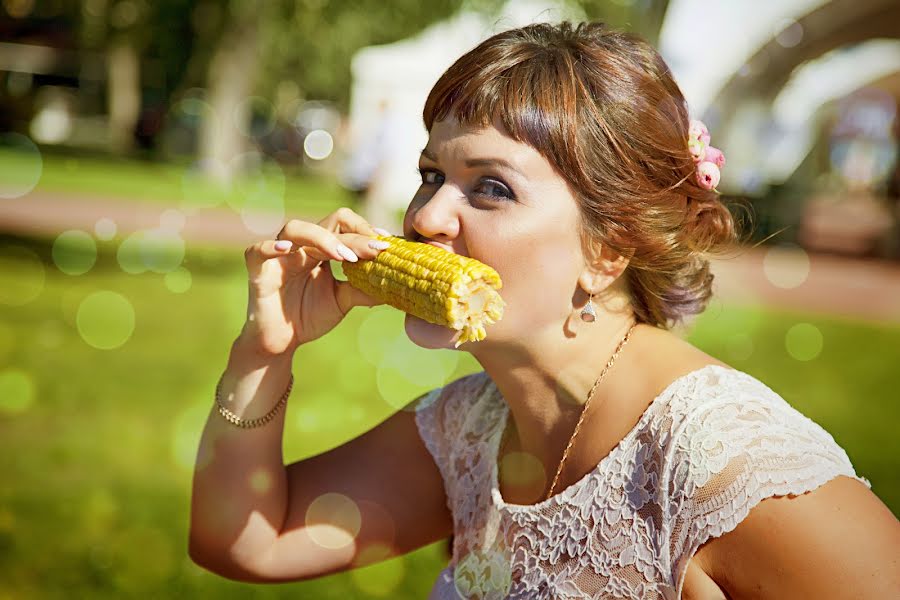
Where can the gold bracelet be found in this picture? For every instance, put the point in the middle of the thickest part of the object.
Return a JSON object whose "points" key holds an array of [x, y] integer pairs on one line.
{"points": [[248, 423]]}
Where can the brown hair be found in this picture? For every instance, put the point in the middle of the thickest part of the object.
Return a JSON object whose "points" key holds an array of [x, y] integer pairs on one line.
{"points": [[603, 108]]}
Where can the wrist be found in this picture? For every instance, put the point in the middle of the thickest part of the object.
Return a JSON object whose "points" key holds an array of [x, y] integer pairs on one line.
{"points": [[250, 346]]}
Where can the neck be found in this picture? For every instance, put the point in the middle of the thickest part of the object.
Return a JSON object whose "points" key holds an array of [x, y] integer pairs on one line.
{"points": [[545, 381]]}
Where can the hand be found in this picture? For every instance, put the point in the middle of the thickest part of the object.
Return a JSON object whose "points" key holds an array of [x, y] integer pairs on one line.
{"points": [[293, 296]]}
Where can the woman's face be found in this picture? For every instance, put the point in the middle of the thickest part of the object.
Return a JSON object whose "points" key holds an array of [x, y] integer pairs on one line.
{"points": [[519, 218]]}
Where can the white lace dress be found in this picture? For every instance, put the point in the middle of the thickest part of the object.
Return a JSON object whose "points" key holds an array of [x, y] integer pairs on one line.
{"points": [[708, 448]]}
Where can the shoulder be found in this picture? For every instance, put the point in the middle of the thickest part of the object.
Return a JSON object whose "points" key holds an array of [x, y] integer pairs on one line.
{"points": [[736, 442], [734, 435], [731, 419], [837, 540]]}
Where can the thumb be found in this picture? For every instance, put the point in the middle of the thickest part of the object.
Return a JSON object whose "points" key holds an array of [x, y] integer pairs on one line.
{"points": [[348, 296]]}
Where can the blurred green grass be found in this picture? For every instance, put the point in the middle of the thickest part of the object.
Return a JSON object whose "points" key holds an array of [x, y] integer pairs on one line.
{"points": [[97, 466], [264, 187]]}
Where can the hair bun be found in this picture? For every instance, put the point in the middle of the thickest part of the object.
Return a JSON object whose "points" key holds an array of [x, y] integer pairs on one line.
{"points": [[709, 225]]}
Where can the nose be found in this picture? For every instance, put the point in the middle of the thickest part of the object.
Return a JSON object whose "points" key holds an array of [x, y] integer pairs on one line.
{"points": [[435, 218]]}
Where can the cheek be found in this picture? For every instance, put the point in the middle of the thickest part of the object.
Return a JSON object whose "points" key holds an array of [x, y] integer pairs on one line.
{"points": [[540, 279]]}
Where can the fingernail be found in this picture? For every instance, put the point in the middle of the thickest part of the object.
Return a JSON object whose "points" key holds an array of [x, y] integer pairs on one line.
{"points": [[379, 244], [381, 231], [347, 253], [283, 245]]}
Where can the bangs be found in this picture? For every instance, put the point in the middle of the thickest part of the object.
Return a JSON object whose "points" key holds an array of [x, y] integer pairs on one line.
{"points": [[532, 92]]}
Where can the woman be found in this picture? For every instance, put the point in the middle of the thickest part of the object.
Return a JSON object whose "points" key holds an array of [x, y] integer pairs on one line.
{"points": [[598, 454]]}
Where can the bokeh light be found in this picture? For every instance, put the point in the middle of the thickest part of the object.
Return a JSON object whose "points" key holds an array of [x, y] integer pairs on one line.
{"points": [[74, 252], [199, 191], [788, 33], [260, 194], [379, 524], [49, 334], [785, 267], [261, 480], [29, 275], [22, 171], [178, 281], [804, 341], [18, 9], [157, 250], [306, 419], [404, 370], [395, 389], [52, 123], [129, 254], [376, 333], [186, 432], [482, 572], [172, 220], [264, 216], [162, 250], [431, 368], [261, 119], [7, 341], [381, 577], [16, 391], [105, 229], [105, 320], [318, 144], [522, 469], [333, 520]]}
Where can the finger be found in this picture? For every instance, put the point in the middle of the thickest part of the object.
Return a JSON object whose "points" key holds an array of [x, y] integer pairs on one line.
{"points": [[364, 246], [256, 254], [348, 297], [314, 239], [345, 220]]}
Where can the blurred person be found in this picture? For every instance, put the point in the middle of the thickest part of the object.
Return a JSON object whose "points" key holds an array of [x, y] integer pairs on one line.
{"points": [[597, 454], [369, 166]]}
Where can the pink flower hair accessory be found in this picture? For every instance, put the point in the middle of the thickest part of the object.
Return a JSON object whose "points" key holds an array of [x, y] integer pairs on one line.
{"points": [[707, 160]]}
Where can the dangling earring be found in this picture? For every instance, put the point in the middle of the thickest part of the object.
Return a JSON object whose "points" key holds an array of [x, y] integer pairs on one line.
{"points": [[587, 313]]}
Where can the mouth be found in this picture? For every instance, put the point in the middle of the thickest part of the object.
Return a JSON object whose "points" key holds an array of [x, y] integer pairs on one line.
{"points": [[442, 246]]}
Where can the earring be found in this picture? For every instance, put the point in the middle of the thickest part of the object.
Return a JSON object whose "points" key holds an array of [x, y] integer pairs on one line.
{"points": [[587, 313]]}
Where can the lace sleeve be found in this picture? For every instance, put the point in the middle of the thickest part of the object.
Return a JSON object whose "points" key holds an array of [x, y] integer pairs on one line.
{"points": [[731, 453]]}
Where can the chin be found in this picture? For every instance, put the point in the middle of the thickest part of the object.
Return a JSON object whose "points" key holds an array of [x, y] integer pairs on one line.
{"points": [[428, 335]]}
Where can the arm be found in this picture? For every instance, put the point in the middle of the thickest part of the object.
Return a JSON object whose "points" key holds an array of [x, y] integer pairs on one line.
{"points": [[249, 511], [837, 541]]}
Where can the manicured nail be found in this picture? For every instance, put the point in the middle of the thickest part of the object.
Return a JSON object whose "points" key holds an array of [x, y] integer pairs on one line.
{"points": [[379, 244], [283, 245], [347, 253], [381, 231]]}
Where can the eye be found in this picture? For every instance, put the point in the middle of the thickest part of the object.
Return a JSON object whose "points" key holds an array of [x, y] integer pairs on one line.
{"points": [[501, 189], [494, 189], [424, 173]]}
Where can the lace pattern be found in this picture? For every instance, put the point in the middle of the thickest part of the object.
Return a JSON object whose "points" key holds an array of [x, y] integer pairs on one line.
{"points": [[706, 450]]}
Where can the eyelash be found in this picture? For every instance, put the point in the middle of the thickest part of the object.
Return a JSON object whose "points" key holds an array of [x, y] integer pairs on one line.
{"points": [[507, 196]]}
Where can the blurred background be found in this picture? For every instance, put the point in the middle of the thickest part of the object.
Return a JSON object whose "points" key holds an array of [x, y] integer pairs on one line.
{"points": [[144, 144]]}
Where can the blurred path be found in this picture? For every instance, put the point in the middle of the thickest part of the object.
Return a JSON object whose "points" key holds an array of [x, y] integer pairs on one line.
{"points": [[49, 213], [834, 285]]}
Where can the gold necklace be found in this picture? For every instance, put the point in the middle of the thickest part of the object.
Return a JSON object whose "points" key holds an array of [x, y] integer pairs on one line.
{"points": [[609, 364]]}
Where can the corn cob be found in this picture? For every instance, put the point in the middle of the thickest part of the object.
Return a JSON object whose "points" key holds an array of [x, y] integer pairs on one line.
{"points": [[433, 284]]}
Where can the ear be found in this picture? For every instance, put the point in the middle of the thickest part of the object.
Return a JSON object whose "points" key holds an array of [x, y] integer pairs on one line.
{"points": [[603, 271]]}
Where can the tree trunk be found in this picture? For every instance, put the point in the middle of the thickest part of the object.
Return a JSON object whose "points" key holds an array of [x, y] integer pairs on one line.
{"points": [[231, 80], [123, 93]]}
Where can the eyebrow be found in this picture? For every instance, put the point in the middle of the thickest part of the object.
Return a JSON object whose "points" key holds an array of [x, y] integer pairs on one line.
{"points": [[476, 162]]}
